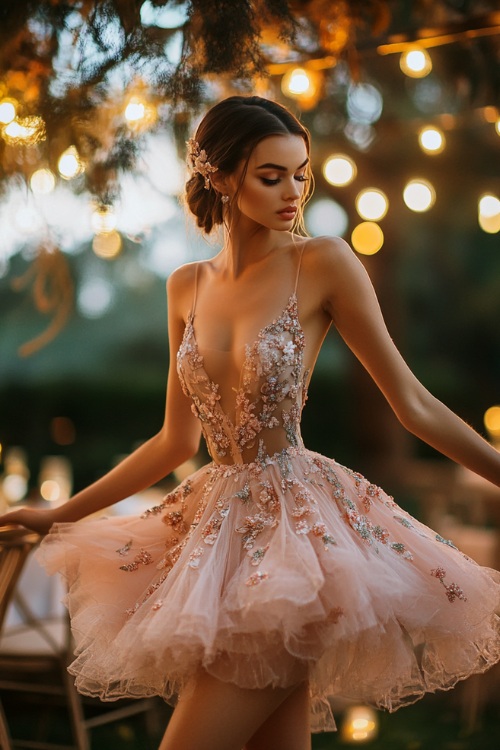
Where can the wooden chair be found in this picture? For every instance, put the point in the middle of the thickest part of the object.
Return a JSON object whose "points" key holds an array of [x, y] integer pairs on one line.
{"points": [[34, 656]]}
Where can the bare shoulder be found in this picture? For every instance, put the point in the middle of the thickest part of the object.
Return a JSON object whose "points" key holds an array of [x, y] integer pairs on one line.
{"points": [[330, 262], [181, 284]]}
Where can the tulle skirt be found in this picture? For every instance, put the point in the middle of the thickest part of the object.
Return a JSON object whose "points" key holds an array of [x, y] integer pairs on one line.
{"points": [[270, 573]]}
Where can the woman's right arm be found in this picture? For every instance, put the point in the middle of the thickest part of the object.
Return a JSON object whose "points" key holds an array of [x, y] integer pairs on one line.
{"points": [[177, 440]]}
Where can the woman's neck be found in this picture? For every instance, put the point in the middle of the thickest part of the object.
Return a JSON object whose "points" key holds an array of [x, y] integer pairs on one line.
{"points": [[246, 246]]}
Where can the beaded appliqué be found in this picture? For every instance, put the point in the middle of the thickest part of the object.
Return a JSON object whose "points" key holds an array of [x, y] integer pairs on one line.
{"points": [[453, 590]]}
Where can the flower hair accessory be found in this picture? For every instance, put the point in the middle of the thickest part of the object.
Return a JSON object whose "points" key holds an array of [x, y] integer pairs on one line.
{"points": [[197, 160]]}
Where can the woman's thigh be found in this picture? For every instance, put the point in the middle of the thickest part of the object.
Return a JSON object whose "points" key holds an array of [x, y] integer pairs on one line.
{"points": [[216, 715], [288, 727]]}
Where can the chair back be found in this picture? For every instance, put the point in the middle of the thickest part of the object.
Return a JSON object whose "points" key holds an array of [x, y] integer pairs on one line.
{"points": [[15, 546]]}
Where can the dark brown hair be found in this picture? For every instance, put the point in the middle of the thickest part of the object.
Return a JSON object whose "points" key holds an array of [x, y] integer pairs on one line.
{"points": [[228, 133]]}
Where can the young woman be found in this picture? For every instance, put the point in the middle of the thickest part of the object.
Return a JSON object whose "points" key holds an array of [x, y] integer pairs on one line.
{"points": [[272, 579]]}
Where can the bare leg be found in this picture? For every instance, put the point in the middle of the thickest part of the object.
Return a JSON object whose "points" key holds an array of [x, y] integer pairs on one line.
{"points": [[288, 727], [218, 715]]}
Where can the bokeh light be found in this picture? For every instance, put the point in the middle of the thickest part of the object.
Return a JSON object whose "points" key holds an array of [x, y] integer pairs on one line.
{"points": [[103, 219], [8, 109], [419, 195], [372, 204], [489, 213], [339, 170], [326, 217], [299, 82], [431, 140], [415, 62], [42, 181], [367, 238], [107, 244], [69, 164]]}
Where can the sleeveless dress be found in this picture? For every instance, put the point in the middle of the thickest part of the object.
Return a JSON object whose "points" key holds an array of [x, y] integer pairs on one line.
{"points": [[272, 564]]}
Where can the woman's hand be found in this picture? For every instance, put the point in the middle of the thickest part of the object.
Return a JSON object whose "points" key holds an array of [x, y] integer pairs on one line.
{"points": [[36, 519]]}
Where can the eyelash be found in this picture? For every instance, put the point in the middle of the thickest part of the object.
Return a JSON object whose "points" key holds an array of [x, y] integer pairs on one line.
{"points": [[267, 181]]}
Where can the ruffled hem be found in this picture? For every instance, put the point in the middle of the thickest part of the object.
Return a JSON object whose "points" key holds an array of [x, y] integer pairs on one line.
{"points": [[269, 573]]}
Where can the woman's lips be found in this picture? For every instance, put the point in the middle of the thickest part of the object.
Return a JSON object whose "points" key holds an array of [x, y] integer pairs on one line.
{"points": [[288, 212]]}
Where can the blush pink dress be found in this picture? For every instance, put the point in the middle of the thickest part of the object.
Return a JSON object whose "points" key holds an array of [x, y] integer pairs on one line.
{"points": [[271, 564]]}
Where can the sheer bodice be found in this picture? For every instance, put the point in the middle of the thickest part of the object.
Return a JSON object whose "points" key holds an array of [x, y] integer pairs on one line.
{"points": [[263, 416]]}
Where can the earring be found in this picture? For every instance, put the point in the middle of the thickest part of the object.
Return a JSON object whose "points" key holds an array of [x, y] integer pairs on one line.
{"points": [[225, 199]]}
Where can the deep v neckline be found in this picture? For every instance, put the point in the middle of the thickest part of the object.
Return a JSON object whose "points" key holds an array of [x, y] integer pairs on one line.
{"points": [[249, 348]]}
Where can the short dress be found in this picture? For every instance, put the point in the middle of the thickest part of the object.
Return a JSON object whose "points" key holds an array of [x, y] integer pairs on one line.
{"points": [[271, 565]]}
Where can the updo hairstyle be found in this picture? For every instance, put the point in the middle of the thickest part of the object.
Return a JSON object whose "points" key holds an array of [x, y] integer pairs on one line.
{"points": [[228, 133]]}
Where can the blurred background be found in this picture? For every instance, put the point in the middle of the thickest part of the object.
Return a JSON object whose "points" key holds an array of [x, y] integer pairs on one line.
{"points": [[402, 100]]}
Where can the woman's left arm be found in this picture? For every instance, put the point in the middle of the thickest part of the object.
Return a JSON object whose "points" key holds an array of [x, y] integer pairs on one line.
{"points": [[350, 300]]}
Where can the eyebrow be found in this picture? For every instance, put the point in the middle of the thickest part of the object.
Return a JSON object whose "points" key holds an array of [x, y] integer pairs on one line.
{"points": [[269, 165]]}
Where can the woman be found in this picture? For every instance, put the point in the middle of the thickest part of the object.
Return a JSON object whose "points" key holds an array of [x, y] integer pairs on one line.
{"points": [[272, 579]]}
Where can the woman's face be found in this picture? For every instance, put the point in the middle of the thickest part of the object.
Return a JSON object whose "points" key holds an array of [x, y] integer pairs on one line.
{"points": [[275, 180]]}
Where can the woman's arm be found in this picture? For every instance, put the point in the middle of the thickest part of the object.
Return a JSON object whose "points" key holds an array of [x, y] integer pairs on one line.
{"points": [[177, 440], [349, 298]]}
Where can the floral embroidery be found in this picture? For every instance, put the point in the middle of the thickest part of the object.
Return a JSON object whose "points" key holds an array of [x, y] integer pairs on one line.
{"points": [[453, 590], [272, 374], [142, 558], [123, 551], [319, 529], [211, 530], [257, 578], [441, 539], [258, 555], [253, 526], [194, 557]]}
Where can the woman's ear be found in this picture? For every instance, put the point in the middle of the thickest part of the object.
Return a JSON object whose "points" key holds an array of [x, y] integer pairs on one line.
{"points": [[219, 182]]}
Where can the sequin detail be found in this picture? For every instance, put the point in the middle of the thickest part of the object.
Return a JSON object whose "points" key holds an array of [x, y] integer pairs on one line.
{"points": [[453, 590], [142, 558]]}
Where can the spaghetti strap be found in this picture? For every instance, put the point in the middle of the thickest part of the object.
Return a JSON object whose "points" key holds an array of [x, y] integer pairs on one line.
{"points": [[298, 268], [195, 294]]}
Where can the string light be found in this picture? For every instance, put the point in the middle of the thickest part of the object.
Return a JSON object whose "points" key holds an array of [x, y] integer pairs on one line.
{"points": [[359, 725], [419, 195], [489, 213], [492, 421], [339, 170], [497, 126], [431, 140], [8, 109], [139, 113], [42, 181], [107, 245], [69, 164], [367, 238], [415, 62], [28, 130], [302, 84], [372, 204]]}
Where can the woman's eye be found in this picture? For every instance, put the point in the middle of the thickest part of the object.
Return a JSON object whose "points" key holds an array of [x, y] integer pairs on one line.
{"points": [[301, 178], [268, 181]]}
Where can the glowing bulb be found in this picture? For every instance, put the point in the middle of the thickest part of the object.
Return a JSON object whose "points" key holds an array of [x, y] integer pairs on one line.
{"points": [[107, 244], [497, 126], [489, 213], [492, 421], [431, 140], [298, 82], [339, 170], [50, 490], [367, 238], [135, 110], [7, 110], [69, 164], [419, 195], [372, 204], [415, 62], [42, 181], [489, 205]]}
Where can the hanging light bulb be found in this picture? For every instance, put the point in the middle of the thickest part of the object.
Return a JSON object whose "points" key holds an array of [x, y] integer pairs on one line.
{"points": [[372, 204], [25, 130], [69, 164], [415, 62], [339, 170], [419, 195], [103, 219], [42, 181], [431, 140], [489, 213], [367, 238], [8, 109]]}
